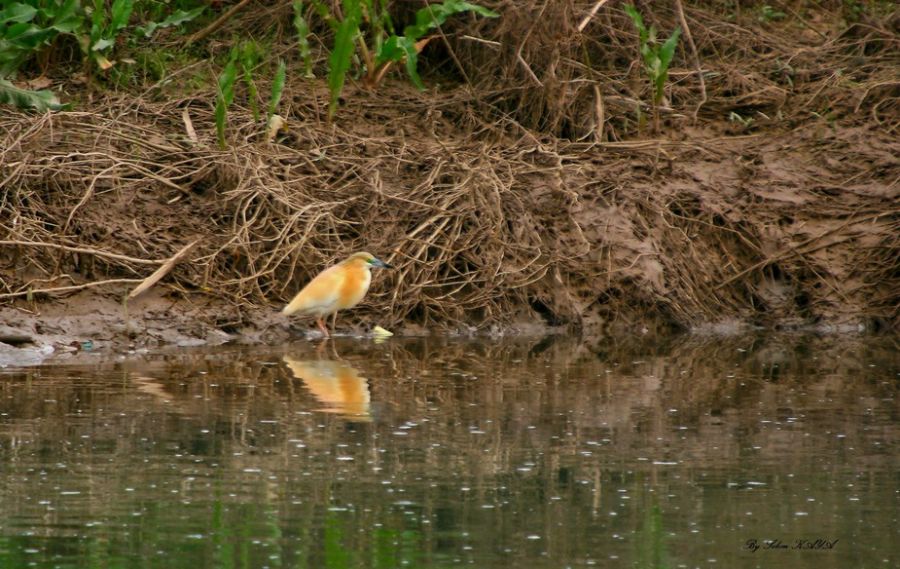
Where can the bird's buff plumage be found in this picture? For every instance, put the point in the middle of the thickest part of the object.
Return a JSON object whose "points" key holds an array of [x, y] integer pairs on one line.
{"points": [[339, 287]]}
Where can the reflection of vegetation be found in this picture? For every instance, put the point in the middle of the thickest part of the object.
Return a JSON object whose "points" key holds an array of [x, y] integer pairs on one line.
{"points": [[649, 540], [336, 555]]}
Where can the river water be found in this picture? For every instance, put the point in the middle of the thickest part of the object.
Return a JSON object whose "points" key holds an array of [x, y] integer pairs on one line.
{"points": [[753, 451]]}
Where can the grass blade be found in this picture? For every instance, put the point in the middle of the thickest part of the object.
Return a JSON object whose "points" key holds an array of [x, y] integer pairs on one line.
{"points": [[342, 54], [225, 96], [277, 87], [302, 28], [249, 58]]}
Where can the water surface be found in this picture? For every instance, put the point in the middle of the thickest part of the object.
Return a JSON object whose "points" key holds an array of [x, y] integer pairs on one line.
{"points": [[539, 453]]}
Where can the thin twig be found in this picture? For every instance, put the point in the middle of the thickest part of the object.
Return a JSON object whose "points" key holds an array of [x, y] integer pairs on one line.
{"points": [[587, 19], [687, 33], [71, 288], [163, 270], [220, 21], [85, 250]]}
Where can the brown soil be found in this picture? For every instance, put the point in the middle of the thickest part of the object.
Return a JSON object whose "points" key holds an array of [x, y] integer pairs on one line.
{"points": [[497, 195]]}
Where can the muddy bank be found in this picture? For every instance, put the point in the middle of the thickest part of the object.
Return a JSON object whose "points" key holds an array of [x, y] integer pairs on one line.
{"points": [[497, 208]]}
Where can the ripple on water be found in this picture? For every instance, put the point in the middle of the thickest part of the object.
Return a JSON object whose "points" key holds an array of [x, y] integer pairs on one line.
{"points": [[430, 453]]}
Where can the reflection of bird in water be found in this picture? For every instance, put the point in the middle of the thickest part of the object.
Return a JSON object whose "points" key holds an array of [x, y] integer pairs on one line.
{"points": [[336, 288], [336, 384], [151, 386]]}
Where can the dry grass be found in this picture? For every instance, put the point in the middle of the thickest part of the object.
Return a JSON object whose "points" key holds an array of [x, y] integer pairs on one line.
{"points": [[541, 65]]}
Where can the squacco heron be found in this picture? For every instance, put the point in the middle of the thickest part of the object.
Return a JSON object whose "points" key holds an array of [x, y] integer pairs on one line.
{"points": [[336, 288]]}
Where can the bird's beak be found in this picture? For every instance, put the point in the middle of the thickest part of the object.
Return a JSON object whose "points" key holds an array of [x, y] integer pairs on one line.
{"points": [[381, 264]]}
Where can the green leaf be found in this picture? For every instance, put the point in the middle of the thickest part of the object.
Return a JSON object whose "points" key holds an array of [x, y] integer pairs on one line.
{"points": [[249, 58], [40, 101], [121, 12], [341, 55], [175, 19], [324, 13], [649, 55], [397, 48], [26, 35], [17, 13], [667, 51], [98, 21], [302, 28], [637, 19], [221, 110], [225, 94], [391, 50], [102, 44], [65, 16], [435, 15], [277, 87], [181, 17], [228, 78], [412, 62]]}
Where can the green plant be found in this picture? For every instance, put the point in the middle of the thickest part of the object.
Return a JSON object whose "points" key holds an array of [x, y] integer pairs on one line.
{"points": [[225, 94], [743, 121], [384, 47], [24, 99], [277, 88], [242, 61], [302, 28], [657, 57], [176, 18], [249, 58], [28, 29], [105, 28], [275, 123], [29, 26], [769, 14], [108, 25]]}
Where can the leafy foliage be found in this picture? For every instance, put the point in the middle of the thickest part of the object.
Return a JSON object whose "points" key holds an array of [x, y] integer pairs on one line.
{"points": [[225, 94], [302, 28], [37, 100], [249, 58], [25, 29], [242, 61], [657, 58], [344, 48], [175, 19], [380, 52], [105, 28], [277, 87], [29, 26]]}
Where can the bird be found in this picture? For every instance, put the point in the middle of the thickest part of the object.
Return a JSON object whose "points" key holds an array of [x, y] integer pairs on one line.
{"points": [[338, 287]]}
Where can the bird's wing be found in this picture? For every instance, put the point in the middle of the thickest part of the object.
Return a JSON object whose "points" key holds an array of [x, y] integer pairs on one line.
{"points": [[320, 296]]}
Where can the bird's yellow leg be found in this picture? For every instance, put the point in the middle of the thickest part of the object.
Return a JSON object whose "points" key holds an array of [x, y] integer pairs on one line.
{"points": [[321, 323]]}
